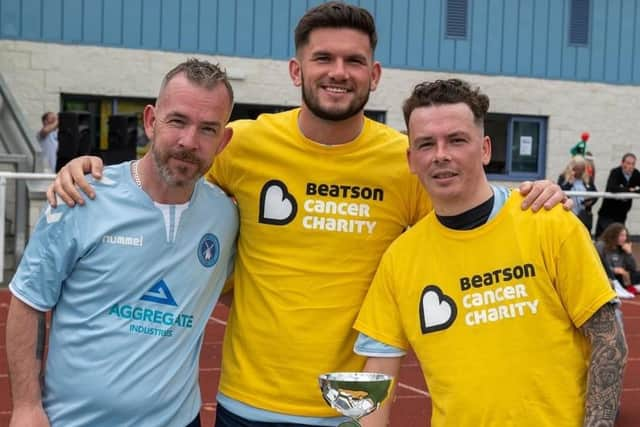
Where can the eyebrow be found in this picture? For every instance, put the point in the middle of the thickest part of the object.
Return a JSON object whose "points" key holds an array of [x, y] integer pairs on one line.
{"points": [[183, 116]]}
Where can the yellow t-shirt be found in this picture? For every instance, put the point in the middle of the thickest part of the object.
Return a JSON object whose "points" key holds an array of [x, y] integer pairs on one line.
{"points": [[314, 222], [493, 315]]}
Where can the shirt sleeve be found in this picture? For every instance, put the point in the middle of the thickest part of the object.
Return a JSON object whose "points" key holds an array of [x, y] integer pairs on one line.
{"points": [[369, 347], [48, 259], [581, 281], [379, 316]]}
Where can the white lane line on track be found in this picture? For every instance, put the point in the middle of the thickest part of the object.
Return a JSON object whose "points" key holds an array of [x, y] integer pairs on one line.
{"points": [[415, 390], [219, 321]]}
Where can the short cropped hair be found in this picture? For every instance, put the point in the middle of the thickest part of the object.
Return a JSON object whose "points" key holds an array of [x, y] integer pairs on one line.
{"points": [[335, 14], [626, 155], [201, 73], [452, 91]]}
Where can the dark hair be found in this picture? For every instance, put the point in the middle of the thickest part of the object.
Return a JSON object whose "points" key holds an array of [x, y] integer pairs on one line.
{"points": [[201, 73], [610, 235], [335, 14], [450, 91], [628, 155]]}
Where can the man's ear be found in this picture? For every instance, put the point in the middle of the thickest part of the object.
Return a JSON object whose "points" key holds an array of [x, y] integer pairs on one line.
{"points": [[227, 133], [486, 150], [295, 72], [149, 119], [376, 73]]}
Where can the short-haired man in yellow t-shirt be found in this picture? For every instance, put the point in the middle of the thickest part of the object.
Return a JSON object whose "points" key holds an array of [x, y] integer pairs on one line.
{"points": [[509, 313]]}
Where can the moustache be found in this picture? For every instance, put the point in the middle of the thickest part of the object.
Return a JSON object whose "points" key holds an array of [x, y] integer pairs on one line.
{"points": [[186, 156]]}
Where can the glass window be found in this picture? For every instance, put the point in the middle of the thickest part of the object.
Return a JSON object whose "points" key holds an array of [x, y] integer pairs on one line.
{"points": [[517, 146]]}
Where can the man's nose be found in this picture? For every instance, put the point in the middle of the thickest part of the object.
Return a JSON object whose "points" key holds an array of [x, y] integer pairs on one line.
{"points": [[338, 70], [189, 137], [442, 151]]}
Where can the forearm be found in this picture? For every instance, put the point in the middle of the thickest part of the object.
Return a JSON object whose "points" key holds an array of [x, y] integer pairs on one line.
{"points": [[606, 367], [389, 366], [25, 348]]}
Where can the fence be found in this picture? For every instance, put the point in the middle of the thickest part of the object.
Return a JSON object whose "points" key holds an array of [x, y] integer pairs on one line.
{"points": [[20, 212], [21, 242]]}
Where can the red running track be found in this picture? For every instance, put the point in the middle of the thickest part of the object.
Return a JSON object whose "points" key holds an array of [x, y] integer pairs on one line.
{"points": [[412, 406]]}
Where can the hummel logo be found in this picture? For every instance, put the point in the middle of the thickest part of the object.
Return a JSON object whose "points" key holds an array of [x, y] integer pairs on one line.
{"points": [[122, 240], [159, 293]]}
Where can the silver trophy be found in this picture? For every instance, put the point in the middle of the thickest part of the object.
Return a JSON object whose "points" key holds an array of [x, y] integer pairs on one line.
{"points": [[354, 394]]}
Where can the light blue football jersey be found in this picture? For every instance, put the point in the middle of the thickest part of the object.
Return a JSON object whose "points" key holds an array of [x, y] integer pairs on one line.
{"points": [[131, 285]]}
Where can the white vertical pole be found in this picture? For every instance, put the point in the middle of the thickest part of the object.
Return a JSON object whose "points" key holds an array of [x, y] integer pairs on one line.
{"points": [[3, 193]]}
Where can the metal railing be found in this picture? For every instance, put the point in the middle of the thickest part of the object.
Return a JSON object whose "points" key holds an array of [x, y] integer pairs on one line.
{"points": [[21, 232], [603, 195]]}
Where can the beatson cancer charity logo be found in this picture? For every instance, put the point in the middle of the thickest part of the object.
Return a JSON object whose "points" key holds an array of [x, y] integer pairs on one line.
{"points": [[437, 310], [325, 207], [277, 206], [500, 294], [160, 318]]}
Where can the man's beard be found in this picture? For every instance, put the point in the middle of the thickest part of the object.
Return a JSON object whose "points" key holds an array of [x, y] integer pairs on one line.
{"points": [[314, 106], [161, 159]]}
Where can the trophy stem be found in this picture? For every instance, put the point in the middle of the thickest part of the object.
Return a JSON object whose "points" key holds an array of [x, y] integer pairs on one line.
{"points": [[350, 423]]}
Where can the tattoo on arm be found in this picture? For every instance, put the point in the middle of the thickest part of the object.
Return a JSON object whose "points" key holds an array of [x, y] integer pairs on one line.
{"points": [[40, 341], [608, 359]]}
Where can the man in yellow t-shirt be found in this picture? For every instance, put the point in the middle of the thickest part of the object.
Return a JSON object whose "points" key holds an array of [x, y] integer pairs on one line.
{"points": [[508, 312], [322, 191]]}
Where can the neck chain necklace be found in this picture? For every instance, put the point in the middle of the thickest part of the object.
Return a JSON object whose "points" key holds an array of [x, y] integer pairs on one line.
{"points": [[136, 176]]}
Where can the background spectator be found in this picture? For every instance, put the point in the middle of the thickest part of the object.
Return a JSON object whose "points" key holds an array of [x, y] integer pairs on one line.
{"points": [[623, 179], [576, 178], [48, 139], [616, 253]]}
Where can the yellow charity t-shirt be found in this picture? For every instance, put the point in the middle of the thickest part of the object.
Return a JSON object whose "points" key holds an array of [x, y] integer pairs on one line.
{"points": [[493, 315], [314, 222]]}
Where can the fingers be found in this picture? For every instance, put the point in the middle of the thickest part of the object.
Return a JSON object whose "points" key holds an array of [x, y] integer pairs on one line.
{"points": [[51, 196], [545, 194], [567, 203], [71, 179], [63, 187], [531, 193], [95, 163]]}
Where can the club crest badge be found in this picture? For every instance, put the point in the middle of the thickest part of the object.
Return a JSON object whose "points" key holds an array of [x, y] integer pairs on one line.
{"points": [[208, 250]]}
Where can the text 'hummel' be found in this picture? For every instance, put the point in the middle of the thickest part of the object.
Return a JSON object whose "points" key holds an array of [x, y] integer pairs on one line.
{"points": [[122, 240]]}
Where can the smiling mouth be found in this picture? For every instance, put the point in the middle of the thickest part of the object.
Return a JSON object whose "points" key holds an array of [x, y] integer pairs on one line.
{"points": [[335, 89], [444, 175]]}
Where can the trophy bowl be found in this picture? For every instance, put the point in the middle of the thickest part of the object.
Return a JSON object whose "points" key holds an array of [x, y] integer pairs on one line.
{"points": [[354, 394]]}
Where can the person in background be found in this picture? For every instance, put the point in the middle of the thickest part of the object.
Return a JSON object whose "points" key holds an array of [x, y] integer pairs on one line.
{"points": [[576, 178], [131, 279], [48, 139], [615, 249], [591, 165], [509, 313], [622, 179]]}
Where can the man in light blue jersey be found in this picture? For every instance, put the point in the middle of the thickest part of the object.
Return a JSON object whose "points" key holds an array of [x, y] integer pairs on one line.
{"points": [[131, 278]]}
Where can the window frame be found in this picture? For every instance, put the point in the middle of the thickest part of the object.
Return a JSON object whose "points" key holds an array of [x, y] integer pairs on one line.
{"points": [[509, 175]]}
